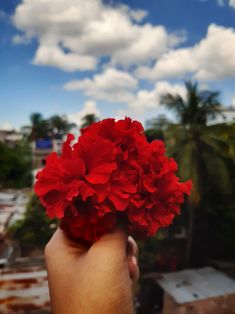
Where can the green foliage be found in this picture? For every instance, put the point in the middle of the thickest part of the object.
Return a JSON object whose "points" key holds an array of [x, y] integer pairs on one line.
{"points": [[16, 165], [39, 127], [226, 231], [35, 229], [152, 134], [198, 107], [205, 154], [148, 249], [88, 119], [156, 128], [59, 126], [53, 127]]}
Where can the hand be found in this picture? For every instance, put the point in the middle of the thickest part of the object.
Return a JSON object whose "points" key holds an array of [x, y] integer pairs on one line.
{"points": [[95, 280]]}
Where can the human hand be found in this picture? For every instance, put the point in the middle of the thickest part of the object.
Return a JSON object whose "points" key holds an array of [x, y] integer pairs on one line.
{"points": [[95, 280]]}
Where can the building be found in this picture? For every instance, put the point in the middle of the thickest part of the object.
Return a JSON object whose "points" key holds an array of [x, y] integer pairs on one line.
{"points": [[12, 207], [41, 148], [10, 137], [227, 115], [201, 291], [24, 288]]}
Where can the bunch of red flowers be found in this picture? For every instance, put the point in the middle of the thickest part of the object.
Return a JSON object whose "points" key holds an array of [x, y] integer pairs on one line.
{"points": [[111, 173]]}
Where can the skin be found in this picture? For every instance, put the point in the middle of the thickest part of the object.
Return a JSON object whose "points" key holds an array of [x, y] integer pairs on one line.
{"points": [[95, 280]]}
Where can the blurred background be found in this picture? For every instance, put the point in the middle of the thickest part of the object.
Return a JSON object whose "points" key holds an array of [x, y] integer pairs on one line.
{"points": [[167, 63]]}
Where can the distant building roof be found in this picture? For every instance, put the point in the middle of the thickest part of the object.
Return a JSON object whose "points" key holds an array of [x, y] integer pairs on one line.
{"points": [[200, 284], [6, 126], [10, 136], [24, 290], [12, 206], [227, 115]]}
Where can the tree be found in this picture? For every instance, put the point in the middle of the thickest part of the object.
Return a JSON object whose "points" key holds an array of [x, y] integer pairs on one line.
{"points": [[88, 119], [156, 127], [16, 165], [35, 229], [196, 146], [39, 127], [36, 118], [59, 126], [53, 127], [198, 107]]}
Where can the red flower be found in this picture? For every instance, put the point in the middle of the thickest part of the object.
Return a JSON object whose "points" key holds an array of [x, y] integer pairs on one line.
{"points": [[111, 173]]}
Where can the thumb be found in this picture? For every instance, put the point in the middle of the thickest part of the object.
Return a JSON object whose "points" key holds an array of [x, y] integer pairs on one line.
{"points": [[61, 246], [114, 243]]}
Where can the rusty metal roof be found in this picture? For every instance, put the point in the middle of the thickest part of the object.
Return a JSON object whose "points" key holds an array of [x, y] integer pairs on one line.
{"points": [[196, 284], [24, 290], [12, 206]]}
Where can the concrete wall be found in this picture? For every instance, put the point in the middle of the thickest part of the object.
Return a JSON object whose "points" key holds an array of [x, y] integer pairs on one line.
{"points": [[220, 305]]}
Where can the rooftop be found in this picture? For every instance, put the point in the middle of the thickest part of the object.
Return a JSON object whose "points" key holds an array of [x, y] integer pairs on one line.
{"points": [[196, 284], [24, 290]]}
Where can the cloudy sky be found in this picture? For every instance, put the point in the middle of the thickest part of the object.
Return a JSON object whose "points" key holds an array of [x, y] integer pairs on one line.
{"points": [[113, 58]]}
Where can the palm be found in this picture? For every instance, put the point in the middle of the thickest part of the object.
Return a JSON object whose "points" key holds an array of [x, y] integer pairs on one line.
{"points": [[59, 126], [192, 142], [196, 109], [40, 127], [195, 145], [88, 119]]}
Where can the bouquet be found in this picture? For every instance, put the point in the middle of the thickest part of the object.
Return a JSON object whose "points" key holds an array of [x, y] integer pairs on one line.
{"points": [[111, 174]]}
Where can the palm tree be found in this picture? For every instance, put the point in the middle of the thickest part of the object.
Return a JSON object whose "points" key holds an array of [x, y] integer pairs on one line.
{"points": [[36, 118], [197, 108], [53, 127], [156, 127], [39, 126], [59, 126], [88, 119], [196, 145]]}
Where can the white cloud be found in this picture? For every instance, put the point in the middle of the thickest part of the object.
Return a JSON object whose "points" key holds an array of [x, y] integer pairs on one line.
{"points": [[211, 59], [122, 113], [55, 56], [20, 39], [150, 43], [221, 2], [3, 15], [145, 99], [78, 32], [115, 86], [232, 3], [173, 64], [6, 126], [148, 102], [137, 15], [112, 85], [233, 102], [88, 108]]}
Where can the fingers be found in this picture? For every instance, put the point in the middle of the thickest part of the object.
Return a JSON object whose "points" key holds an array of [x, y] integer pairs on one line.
{"points": [[113, 241], [61, 245], [133, 269], [116, 246], [132, 247], [132, 257]]}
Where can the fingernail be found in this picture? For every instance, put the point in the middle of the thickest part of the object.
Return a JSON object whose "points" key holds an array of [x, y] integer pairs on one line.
{"points": [[133, 260]]}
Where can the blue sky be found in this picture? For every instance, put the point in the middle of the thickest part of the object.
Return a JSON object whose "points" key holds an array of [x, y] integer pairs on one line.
{"points": [[112, 58]]}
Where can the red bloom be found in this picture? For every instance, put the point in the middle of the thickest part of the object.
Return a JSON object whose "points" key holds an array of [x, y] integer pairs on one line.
{"points": [[111, 173]]}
